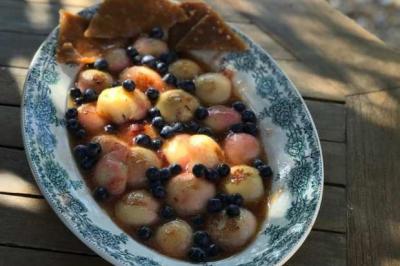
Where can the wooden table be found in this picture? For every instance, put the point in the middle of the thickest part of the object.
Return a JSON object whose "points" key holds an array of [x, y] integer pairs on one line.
{"points": [[347, 76]]}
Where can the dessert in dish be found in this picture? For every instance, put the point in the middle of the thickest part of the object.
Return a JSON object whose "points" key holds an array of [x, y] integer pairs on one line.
{"points": [[167, 147]]}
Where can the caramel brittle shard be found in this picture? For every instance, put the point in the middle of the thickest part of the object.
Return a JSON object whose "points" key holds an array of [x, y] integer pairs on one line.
{"points": [[129, 18], [195, 11], [209, 33], [74, 47]]}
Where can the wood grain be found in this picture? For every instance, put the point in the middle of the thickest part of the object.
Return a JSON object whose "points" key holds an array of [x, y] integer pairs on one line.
{"points": [[17, 49], [32, 257], [334, 162], [329, 119], [11, 84], [321, 249], [331, 44], [373, 169], [42, 227], [11, 127], [333, 213]]}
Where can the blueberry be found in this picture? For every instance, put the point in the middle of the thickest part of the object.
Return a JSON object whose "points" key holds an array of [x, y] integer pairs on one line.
{"points": [[152, 94], [201, 239], [154, 183], [192, 127], [75, 93], [156, 33], [196, 254], [233, 210], [250, 128], [87, 163], [265, 171], [198, 221], [80, 133], [149, 60], [223, 170], [165, 174], [153, 112], [162, 68], [187, 85], [239, 106], [158, 122], [175, 169], [153, 174], [214, 205], [101, 194], [71, 113], [129, 85], [223, 197], [131, 52], [201, 113], [212, 175], [144, 232], [89, 95], [236, 128], [257, 163], [169, 57], [79, 100], [170, 79], [167, 212], [213, 250], [249, 116], [156, 144], [167, 132], [137, 59], [94, 149], [199, 170], [101, 64], [72, 124], [178, 127], [116, 84], [159, 192], [205, 131], [143, 140], [236, 199], [110, 128], [80, 152]]}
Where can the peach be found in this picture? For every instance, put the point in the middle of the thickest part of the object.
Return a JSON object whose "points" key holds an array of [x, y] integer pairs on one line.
{"points": [[150, 46], [188, 195], [144, 78], [221, 118], [117, 60], [177, 105], [213, 88], [109, 143], [232, 233], [94, 79], [90, 119], [137, 208], [185, 69], [111, 172], [241, 148], [174, 238]]}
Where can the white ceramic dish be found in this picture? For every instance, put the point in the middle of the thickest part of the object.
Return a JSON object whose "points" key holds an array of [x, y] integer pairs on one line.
{"points": [[288, 132]]}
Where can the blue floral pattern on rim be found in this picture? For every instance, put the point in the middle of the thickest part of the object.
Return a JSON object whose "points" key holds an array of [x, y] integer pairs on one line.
{"points": [[283, 108]]}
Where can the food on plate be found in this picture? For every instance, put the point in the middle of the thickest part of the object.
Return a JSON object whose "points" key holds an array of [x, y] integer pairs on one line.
{"points": [[168, 149]]}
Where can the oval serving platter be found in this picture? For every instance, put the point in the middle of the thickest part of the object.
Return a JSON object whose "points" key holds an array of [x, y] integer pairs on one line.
{"points": [[288, 132]]}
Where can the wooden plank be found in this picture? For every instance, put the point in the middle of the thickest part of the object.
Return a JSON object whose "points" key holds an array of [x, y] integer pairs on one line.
{"points": [[17, 49], [311, 84], [334, 162], [321, 248], [32, 257], [11, 127], [333, 213], [11, 84], [38, 18], [373, 169], [15, 174], [45, 230], [327, 41], [266, 42], [329, 119]]}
